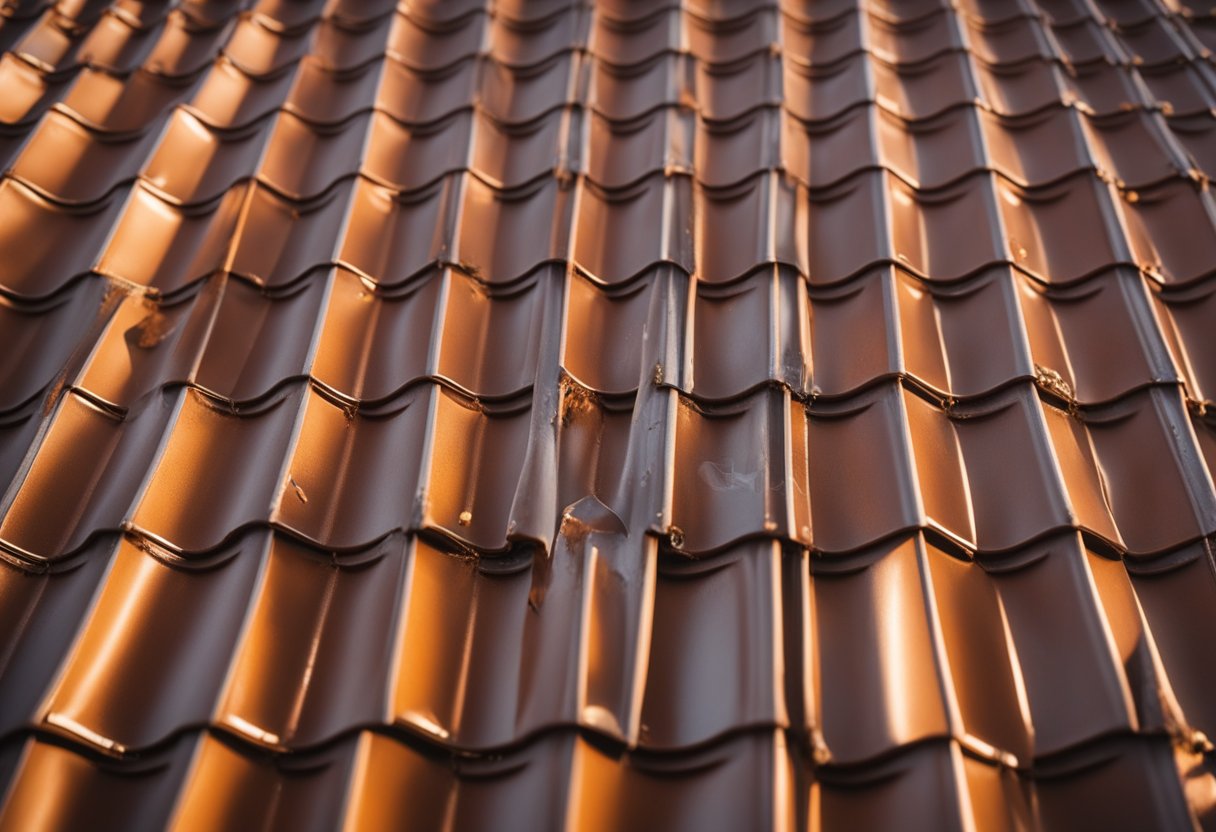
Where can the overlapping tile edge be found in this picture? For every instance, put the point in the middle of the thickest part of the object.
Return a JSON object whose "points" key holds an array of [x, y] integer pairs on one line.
{"points": [[770, 406]]}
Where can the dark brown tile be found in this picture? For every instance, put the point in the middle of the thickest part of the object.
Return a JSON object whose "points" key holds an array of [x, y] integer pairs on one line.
{"points": [[1115, 784], [1073, 646], [1153, 40], [1194, 134], [394, 334], [1040, 148], [737, 228], [1064, 325], [472, 468], [308, 690], [204, 484], [228, 785], [349, 478], [1042, 225], [854, 689], [1017, 39], [229, 98], [195, 164], [1185, 319], [715, 628], [153, 650], [1175, 596], [303, 161], [1157, 488], [321, 96], [950, 790], [743, 781], [109, 459], [750, 333], [1180, 88], [70, 163], [407, 158], [85, 791], [625, 93], [165, 248], [726, 40], [1171, 230], [389, 238], [488, 343], [1011, 457], [46, 245], [862, 443], [604, 331], [888, 220], [521, 94], [258, 50], [38, 341], [135, 104], [42, 612], [396, 785], [729, 476], [1084, 41], [1019, 89], [653, 215], [503, 236], [1134, 147], [426, 46]]}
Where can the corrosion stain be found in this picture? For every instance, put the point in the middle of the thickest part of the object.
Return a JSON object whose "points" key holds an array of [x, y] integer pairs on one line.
{"points": [[576, 401], [152, 329], [1051, 381]]}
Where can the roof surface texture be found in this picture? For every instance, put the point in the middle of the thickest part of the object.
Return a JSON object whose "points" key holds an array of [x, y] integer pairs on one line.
{"points": [[702, 415]]}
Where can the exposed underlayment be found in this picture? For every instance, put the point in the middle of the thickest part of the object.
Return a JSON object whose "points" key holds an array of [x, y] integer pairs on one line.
{"points": [[676, 415]]}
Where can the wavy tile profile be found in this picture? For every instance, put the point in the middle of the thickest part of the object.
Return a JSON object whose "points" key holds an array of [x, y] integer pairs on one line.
{"points": [[618, 415]]}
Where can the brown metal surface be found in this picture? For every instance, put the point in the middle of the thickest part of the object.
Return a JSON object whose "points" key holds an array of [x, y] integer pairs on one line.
{"points": [[669, 415]]}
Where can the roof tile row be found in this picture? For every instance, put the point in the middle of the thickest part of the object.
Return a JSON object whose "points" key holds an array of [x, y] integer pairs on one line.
{"points": [[487, 655], [70, 163], [1135, 473], [1167, 230]]}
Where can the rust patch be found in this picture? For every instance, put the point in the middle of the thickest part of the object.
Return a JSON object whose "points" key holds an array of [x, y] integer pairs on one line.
{"points": [[152, 329], [1052, 382], [576, 400]]}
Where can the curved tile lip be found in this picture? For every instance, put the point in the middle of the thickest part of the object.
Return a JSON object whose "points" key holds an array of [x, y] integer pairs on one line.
{"points": [[253, 739], [808, 393], [71, 68], [1079, 755], [459, 543], [361, 67], [190, 283]]}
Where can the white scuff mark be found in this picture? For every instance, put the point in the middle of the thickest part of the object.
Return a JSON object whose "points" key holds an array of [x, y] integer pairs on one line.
{"points": [[247, 728], [74, 727], [723, 478], [427, 724]]}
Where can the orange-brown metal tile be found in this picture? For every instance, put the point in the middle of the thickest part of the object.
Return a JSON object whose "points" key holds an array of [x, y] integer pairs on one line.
{"points": [[715, 414]]}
